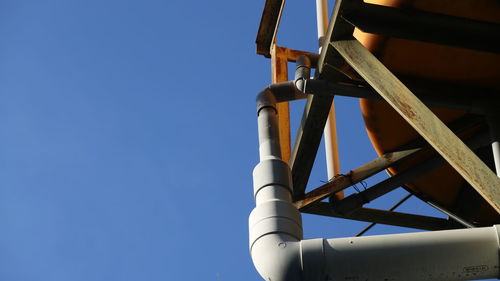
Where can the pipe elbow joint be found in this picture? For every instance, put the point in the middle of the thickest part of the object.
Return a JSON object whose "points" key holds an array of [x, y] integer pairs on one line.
{"points": [[276, 245], [280, 92], [275, 225], [277, 257], [280, 257], [266, 98]]}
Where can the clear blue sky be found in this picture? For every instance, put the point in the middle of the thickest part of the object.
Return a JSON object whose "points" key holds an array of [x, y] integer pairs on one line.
{"points": [[128, 137]]}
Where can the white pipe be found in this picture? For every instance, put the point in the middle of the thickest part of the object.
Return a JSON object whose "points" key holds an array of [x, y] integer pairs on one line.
{"points": [[495, 146], [268, 138], [330, 132], [331, 145], [321, 19], [275, 224], [280, 254], [494, 123], [464, 254]]}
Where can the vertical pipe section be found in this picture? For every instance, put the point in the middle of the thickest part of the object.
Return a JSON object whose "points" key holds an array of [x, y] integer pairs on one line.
{"points": [[269, 147], [494, 124], [422, 119], [496, 155], [331, 141], [321, 20], [275, 225]]}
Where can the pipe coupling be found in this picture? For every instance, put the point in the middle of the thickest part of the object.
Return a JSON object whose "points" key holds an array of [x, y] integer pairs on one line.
{"points": [[272, 172]]}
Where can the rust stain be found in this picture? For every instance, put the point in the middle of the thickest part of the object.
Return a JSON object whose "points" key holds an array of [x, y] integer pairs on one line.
{"points": [[406, 109], [389, 156]]}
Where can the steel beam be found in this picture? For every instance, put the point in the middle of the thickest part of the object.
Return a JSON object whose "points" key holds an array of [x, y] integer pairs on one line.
{"points": [[307, 141], [316, 112], [338, 29], [431, 93], [422, 120], [404, 152], [355, 176], [268, 26], [357, 200], [292, 55], [392, 209], [425, 26], [385, 217]]}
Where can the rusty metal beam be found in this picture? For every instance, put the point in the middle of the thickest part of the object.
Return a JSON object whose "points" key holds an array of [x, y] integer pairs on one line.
{"points": [[344, 181], [357, 200], [268, 26], [292, 55], [279, 73], [425, 26], [385, 217], [404, 152], [446, 143], [443, 95]]}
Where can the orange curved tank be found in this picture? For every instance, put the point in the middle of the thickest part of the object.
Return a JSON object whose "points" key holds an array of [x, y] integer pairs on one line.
{"points": [[389, 132]]}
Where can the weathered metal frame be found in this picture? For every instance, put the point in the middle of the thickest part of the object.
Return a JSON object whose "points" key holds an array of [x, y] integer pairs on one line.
{"points": [[424, 26], [392, 209], [355, 176], [307, 141], [421, 118], [385, 217], [450, 95], [338, 64], [359, 199], [268, 26], [280, 57], [405, 153], [316, 113]]}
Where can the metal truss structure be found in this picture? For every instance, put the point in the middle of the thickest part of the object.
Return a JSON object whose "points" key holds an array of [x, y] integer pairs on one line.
{"points": [[345, 67]]}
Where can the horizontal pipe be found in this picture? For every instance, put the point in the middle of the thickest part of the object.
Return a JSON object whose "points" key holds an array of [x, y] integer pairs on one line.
{"points": [[464, 254], [448, 255], [278, 92]]}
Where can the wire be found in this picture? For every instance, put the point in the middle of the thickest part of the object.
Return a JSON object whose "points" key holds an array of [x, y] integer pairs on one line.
{"points": [[391, 209]]}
